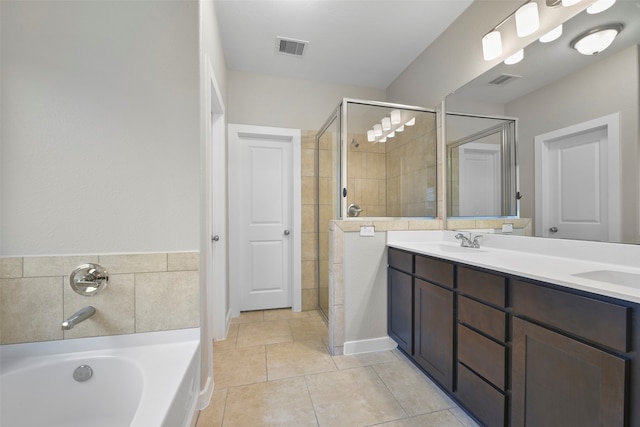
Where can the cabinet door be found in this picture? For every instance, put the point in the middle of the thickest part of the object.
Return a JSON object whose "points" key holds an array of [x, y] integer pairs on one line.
{"points": [[559, 381], [400, 309], [433, 336]]}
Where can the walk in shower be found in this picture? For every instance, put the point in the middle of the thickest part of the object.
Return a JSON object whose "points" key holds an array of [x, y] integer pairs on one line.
{"points": [[374, 159]]}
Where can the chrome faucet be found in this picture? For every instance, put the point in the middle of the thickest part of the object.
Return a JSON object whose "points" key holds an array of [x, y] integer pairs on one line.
{"points": [[77, 317], [466, 242]]}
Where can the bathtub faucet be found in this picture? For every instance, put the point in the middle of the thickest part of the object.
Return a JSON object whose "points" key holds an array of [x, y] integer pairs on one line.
{"points": [[77, 317]]}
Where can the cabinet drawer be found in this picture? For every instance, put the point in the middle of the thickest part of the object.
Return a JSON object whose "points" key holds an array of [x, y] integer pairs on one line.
{"points": [[401, 260], [435, 271], [484, 356], [485, 286], [598, 321], [484, 401], [483, 318]]}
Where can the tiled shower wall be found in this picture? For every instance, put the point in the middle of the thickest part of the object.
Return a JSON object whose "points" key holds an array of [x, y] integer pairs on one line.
{"points": [[310, 212], [145, 293]]}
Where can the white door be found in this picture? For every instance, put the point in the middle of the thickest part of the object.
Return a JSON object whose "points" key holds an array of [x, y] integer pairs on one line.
{"points": [[575, 174], [479, 188], [262, 217]]}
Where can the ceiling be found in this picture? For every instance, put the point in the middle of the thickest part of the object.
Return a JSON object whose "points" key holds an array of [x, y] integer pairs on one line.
{"points": [[355, 42]]}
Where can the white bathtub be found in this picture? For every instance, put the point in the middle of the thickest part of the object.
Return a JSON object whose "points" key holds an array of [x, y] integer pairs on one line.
{"points": [[139, 380]]}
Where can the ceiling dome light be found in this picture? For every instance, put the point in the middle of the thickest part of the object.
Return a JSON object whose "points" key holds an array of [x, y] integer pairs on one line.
{"points": [[527, 19], [551, 35], [492, 45], [596, 39], [600, 6], [515, 58], [567, 3]]}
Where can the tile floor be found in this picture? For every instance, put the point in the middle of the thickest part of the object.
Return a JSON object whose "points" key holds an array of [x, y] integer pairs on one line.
{"points": [[274, 370]]}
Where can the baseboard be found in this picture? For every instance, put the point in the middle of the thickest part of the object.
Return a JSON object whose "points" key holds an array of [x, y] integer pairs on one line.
{"points": [[206, 393], [370, 345]]}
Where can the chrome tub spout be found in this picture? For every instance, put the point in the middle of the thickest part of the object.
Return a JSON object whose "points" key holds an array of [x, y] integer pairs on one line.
{"points": [[77, 317]]}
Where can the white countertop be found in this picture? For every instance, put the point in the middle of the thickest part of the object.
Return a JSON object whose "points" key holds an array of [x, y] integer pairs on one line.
{"points": [[602, 268]]}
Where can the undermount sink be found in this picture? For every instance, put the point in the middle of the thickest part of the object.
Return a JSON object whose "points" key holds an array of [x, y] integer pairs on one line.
{"points": [[611, 276]]}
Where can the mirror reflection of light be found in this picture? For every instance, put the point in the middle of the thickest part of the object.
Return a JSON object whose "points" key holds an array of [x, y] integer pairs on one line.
{"points": [[551, 35], [600, 6], [515, 58]]}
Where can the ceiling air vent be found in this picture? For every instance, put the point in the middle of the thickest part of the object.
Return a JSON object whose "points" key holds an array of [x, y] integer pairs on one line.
{"points": [[290, 46], [503, 79]]}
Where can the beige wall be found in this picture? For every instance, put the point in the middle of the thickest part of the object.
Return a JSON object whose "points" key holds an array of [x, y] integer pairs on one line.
{"points": [[145, 293]]}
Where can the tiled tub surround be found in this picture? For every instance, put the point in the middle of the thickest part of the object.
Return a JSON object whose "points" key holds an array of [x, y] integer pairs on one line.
{"points": [[146, 292]]}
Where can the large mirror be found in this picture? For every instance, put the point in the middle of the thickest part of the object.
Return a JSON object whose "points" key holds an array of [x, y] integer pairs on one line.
{"points": [[577, 128]]}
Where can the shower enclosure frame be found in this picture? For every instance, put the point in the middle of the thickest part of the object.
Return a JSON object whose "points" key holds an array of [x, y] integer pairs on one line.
{"points": [[340, 115]]}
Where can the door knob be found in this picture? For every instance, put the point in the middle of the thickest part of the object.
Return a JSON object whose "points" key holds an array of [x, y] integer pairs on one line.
{"points": [[215, 238], [553, 229], [287, 232]]}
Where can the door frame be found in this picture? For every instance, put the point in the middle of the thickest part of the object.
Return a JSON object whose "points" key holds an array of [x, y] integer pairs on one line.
{"points": [[235, 131], [611, 123]]}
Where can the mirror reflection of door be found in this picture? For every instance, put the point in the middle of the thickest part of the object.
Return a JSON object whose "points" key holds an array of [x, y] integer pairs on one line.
{"points": [[576, 181], [479, 193]]}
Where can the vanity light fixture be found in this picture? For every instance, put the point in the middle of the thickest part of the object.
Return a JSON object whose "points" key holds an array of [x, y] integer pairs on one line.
{"points": [[383, 139], [597, 39], [386, 123], [527, 19], [551, 35], [492, 45], [377, 129], [411, 122], [391, 134], [515, 58], [400, 128], [371, 137], [396, 117], [567, 3], [600, 6]]}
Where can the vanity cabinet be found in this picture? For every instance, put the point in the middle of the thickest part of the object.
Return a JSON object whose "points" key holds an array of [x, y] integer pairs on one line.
{"points": [[514, 351], [433, 318], [400, 299]]}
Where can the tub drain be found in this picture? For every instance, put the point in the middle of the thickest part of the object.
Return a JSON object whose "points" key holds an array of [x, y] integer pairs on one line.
{"points": [[82, 373]]}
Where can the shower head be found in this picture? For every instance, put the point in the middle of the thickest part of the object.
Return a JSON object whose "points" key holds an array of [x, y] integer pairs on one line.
{"points": [[354, 142]]}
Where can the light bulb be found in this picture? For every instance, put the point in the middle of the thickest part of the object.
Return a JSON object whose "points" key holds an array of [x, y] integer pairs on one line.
{"points": [[552, 35], [527, 19], [492, 45]]}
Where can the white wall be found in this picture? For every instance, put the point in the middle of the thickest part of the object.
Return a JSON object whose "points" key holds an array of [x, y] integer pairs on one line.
{"points": [[610, 85], [264, 100], [100, 132]]}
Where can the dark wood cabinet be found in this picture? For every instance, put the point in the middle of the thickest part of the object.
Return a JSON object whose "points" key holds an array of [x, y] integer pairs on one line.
{"points": [[559, 381], [433, 331], [515, 351], [400, 309]]}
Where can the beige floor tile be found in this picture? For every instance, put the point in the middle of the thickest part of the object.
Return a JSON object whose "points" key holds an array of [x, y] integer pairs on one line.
{"points": [[275, 403], [212, 415], [365, 359], [249, 316], [462, 416], [298, 358], [230, 341], [307, 329], [415, 392], [239, 366], [261, 333], [285, 314], [352, 397], [434, 419]]}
